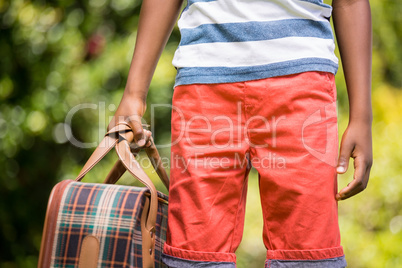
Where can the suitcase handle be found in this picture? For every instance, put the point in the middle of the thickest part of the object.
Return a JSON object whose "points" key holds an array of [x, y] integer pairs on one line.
{"points": [[120, 137], [119, 169]]}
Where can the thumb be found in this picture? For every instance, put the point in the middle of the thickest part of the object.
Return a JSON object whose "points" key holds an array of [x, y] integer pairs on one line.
{"points": [[135, 123], [344, 156]]}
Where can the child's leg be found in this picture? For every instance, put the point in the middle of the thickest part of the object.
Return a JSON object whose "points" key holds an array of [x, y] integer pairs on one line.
{"points": [[208, 175], [297, 169]]}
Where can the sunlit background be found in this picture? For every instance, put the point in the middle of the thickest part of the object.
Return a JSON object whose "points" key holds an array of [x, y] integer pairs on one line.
{"points": [[62, 73]]}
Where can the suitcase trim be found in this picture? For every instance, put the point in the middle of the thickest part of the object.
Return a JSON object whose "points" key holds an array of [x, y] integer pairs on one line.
{"points": [[46, 248]]}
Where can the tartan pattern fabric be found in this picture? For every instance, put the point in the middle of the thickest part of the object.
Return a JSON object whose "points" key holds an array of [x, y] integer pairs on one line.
{"points": [[112, 213]]}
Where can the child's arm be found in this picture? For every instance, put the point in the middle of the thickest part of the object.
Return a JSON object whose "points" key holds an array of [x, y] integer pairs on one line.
{"points": [[352, 22], [156, 21]]}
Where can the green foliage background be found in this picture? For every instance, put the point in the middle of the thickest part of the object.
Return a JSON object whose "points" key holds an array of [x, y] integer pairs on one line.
{"points": [[56, 55]]}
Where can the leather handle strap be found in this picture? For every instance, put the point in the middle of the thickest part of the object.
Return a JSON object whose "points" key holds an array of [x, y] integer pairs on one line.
{"points": [[118, 169], [115, 173], [156, 161], [129, 162], [120, 137], [107, 143]]}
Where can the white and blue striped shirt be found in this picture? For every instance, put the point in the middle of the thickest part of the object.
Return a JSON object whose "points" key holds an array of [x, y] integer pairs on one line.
{"points": [[226, 41]]}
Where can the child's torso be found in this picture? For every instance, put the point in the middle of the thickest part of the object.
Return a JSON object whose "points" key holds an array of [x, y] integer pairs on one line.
{"points": [[239, 40]]}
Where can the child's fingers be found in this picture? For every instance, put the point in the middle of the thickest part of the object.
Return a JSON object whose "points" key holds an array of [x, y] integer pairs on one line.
{"points": [[148, 135], [344, 156], [359, 182], [135, 123]]}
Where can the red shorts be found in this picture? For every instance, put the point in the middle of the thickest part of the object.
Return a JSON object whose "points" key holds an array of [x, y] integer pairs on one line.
{"points": [[286, 128]]}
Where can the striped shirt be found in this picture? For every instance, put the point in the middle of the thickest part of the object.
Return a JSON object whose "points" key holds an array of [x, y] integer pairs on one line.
{"points": [[226, 41]]}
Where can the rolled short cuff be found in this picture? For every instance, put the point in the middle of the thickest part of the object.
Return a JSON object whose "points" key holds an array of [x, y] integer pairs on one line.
{"points": [[173, 262], [313, 254], [199, 255], [338, 262]]}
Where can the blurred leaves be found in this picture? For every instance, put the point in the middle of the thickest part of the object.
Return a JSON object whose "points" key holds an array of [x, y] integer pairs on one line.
{"points": [[60, 56], [387, 30]]}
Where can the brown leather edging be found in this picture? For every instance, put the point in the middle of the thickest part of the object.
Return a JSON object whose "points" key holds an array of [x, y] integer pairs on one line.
{"points": [[148, 241], [49, 227]]}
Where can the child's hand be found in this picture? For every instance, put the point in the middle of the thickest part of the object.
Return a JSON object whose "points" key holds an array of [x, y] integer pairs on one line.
{"points": [[131, 110], [356, 143]]}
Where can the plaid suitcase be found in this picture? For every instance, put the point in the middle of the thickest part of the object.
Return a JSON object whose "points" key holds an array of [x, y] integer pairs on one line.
{"points": [[92, 225]]}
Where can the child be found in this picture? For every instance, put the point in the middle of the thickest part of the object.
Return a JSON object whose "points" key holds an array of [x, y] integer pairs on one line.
{"points": [[255, 87]]}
